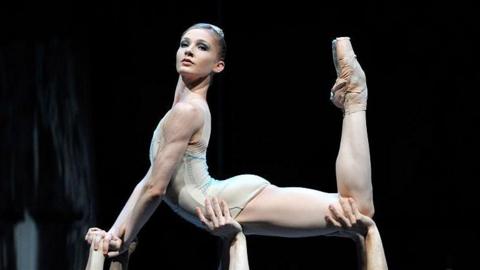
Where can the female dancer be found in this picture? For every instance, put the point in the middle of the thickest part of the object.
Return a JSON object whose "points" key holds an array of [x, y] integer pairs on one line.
{"points": [[178, 173]]}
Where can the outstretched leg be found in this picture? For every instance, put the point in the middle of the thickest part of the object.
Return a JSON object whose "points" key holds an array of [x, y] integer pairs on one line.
{"points": [[288, 212], [350, 94], [298, 212], [353, 163]]}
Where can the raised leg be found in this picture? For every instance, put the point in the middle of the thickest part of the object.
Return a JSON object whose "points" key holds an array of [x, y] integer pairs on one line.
{"points": [[353, 163], [350, 94], [299, 212]]}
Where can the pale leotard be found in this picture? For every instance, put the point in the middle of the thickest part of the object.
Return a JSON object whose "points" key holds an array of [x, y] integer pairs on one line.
{"points": [[191, 183]]}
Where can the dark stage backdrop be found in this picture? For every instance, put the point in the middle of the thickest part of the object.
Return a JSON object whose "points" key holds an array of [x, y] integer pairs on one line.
{"points": [[84, 84]]}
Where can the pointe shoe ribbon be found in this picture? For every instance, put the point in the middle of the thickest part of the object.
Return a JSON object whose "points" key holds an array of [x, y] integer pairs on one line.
{"points": [[349, 92]]}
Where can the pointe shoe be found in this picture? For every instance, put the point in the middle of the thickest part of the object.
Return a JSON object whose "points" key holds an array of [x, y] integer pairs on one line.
{"points": [[349, 92]]}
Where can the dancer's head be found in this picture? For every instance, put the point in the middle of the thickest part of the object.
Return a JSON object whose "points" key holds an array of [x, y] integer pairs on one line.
{"points": [[201, 51]]}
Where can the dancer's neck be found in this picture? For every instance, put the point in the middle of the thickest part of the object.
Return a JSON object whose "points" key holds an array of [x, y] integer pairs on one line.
{"points": [[198, 87]]}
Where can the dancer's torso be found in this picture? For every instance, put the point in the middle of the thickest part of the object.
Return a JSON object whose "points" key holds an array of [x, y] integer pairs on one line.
{"points": [[191, 180], [191, 183]]}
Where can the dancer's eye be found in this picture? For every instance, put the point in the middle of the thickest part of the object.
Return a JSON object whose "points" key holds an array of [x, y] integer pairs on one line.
{"points": [[183, 44], [203, 47]]}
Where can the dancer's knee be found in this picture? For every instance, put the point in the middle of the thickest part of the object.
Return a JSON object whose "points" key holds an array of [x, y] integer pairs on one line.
{"points": [[363, 200], [366, 207]]}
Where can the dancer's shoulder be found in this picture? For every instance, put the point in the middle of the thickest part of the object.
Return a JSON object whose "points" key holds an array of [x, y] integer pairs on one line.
{"points": [[186, 114]]}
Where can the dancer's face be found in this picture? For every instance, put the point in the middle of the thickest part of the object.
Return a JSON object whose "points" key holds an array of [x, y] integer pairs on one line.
{"points": [[198, 54]]}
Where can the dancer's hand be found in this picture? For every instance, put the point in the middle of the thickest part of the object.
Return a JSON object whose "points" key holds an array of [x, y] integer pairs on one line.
{"points": [[109, 243], [349, 220], [218, 220]]}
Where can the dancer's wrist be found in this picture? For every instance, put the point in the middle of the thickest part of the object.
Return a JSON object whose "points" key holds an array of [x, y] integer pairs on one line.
{"points": [[350, 111], [114, 231], [238, 240]]}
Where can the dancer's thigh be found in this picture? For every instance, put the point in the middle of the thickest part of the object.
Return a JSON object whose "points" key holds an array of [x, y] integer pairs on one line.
{"points": [[287, 212]]}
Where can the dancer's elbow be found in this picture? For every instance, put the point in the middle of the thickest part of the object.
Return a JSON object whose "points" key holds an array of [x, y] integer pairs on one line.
{"points": [[154, 191]]}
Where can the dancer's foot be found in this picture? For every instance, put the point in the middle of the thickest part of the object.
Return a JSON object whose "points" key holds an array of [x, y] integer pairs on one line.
{"points": [[350, 90]]}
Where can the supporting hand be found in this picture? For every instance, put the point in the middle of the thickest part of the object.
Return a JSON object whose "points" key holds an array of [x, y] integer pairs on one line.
{"points": [[218, 220], [109, 243], [349, 220]]}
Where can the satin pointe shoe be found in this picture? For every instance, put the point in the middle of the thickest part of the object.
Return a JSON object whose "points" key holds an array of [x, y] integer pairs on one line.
{"points": [[349, 92]]}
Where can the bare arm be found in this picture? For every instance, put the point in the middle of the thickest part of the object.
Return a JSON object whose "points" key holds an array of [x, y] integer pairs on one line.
{"points": [[374, 250], [362, 229], [238, 253], [184, 120], [95, 259], [219, 222], [115, 229]]}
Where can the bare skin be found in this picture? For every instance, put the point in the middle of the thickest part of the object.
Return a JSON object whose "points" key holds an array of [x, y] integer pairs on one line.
{"points": [[364, 230], [96, 258], [347, 219], [216, 217], [294, 212], [286, 212]]}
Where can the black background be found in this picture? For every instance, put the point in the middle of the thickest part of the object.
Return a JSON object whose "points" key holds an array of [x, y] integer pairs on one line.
{"points": [[272, 116]]}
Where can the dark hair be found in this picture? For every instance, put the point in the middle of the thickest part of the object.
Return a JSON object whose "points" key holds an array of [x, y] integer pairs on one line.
{"points": [[218, 33]]}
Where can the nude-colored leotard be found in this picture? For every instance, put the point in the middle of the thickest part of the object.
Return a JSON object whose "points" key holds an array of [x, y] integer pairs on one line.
{"points": [[191, 182]]}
